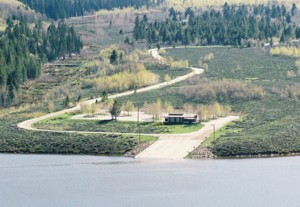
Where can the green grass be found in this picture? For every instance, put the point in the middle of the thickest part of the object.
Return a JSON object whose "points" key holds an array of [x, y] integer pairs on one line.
{"points": [[148, 139], [186, 128], [228, 129], [64, 122]]}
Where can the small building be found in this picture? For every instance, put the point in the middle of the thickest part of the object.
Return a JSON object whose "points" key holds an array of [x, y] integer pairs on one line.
{"points": [[181, 119]]}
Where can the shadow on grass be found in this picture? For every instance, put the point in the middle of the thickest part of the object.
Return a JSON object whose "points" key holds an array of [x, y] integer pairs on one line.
{"points": [[106, 121]]}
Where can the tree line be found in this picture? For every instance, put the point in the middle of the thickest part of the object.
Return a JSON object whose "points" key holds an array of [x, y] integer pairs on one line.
{"points": [[233, 25], [59, 9], [23, 50]]}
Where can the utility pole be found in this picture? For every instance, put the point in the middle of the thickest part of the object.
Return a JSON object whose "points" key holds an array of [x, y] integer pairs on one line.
{"points": [[138, 117], [214, 129]]}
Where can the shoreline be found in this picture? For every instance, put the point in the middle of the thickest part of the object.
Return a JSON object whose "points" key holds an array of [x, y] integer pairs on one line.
{"points": [[240, 157]]}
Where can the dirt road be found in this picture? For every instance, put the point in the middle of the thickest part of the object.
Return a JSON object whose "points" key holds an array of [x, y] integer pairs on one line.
{"points": [[173, 146], [195, 71]]}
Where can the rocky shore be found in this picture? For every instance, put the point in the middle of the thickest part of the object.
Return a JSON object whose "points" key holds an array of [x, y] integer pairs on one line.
{"points": [[137, 150], [201, 152]]}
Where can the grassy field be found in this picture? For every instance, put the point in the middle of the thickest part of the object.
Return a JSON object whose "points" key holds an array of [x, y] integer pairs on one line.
{"points": [[64, 122]]}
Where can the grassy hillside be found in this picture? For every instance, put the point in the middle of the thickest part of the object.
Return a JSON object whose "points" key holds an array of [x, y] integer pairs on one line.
{"points": [[270, 123], [104, 27], [5, 7], [8, 8]]}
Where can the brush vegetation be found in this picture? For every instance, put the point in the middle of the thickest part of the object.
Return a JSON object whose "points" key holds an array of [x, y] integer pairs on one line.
{"points": [[14, 140]]}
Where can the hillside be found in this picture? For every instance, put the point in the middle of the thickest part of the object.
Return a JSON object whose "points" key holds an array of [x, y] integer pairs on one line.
{"points": [[60, 9], [5, 7], [183, 4], [10, 8]]}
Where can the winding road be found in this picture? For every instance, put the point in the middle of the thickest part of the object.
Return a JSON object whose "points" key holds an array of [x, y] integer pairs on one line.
{"points": [[195, 71], [169, 146]]}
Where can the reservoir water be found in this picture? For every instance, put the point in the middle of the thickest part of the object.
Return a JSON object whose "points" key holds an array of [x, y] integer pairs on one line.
{"points": [[91, 181]]}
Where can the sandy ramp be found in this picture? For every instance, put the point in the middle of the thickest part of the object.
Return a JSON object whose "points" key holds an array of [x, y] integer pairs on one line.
{"points": [[178, 146], [169, 149]]}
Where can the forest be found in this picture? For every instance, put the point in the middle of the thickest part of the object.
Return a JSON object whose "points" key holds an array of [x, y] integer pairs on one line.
{"points": [[59, 9], [233, 25], [23, 50]]}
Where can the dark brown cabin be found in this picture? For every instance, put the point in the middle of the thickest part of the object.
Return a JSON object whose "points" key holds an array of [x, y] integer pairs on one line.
{"points": [[181, 119]]}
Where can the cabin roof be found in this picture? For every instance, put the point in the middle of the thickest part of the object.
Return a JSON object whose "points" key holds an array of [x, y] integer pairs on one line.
{"points": [[181, 115]]}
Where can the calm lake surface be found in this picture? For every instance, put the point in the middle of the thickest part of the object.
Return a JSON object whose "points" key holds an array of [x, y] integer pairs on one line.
{"points": [[71, 181]]}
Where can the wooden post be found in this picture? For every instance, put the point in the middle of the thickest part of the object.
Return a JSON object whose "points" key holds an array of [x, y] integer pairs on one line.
{"points": [[139, 124], [214, 128]]}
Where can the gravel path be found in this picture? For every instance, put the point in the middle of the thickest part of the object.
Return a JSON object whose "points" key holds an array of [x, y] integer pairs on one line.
{"points": [[178, 146]]}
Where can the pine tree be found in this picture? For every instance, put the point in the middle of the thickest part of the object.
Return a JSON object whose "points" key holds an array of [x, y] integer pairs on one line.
{"points": [[282, 38], [115, 110], [114, 57], [294, 9], [66, 102], [104, 98]]}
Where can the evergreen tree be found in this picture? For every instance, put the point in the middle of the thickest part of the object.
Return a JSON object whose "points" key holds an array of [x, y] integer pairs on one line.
{"points": [[66, 102], [294, 9], [234, 25], [104, 98], [282, 38], [114, 57], [115, 110]]}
